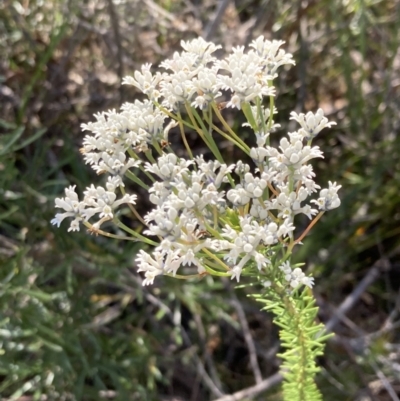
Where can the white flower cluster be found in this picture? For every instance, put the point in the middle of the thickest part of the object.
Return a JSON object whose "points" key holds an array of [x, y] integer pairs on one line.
{"points": [[207, 214], [100, 201], [295, 276], [198, 77]]}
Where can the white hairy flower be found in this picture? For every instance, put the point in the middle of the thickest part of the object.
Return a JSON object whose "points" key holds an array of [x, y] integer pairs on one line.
{"points": [[296, 276], [328, 197], [201, 48], [160, 263], [97, 201], [177, 89], [311, 123], [293, 154], [254, 186], [238, 196], [209, 169], [168, 166], [73, 208], [248, 243], [115, 164], [205, 88], [271, 55], [103, 201], [245, 78], [259, 154], [145, 81]]}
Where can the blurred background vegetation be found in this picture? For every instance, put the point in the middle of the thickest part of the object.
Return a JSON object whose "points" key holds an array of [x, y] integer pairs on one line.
{"points": [[75, 323]]}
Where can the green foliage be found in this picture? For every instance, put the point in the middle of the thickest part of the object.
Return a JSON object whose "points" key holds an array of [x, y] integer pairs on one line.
{"points": [[46, 351], [52, 336], [301, 337]]}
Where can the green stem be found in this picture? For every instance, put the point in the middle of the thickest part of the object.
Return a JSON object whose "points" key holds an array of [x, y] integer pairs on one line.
{"points": [[183, 135], [157, 148], [213, 272], [239, 143], [173, 116], [141, 168], [97, 231], [249, 116], [261, 115], [207, 137], [228, 128], [133, 209], [271, 112], [138, 236], [217, 259], [136, 179]]}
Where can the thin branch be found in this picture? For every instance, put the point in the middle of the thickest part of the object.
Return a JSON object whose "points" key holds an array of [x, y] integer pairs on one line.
{"points": [[207, 381], [254, 390], [159, 11], [310, 226], [384, 380], [210, 29], [118, 42], [352, 298], [248, 338], [207, 354], [352, 356]]}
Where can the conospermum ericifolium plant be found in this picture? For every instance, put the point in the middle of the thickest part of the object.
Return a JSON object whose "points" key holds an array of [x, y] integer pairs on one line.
{"points": [[210, 217]]}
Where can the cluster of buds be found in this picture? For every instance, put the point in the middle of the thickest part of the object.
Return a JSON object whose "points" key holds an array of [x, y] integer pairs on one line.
{"points": [[221, 219]]}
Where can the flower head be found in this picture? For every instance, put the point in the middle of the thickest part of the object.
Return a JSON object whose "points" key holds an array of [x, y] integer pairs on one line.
{"points": [[207, 215]]}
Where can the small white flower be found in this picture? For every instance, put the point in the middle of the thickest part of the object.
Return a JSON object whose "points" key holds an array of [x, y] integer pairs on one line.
{"points": [[168, 166], [238, 196], [296, 276], [328, 197], [75, 224], [259, 211], [205, 85], [254, 186], [272, 57], [246, 79], [73, 208], [311, 123], [201, 48], [235, 273], [258, 154], [158, 265], [145, 81]]}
